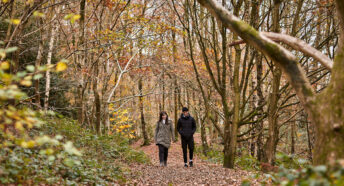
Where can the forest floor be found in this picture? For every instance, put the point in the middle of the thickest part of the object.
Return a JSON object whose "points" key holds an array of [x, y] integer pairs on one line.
{"points": [[202, 173]]}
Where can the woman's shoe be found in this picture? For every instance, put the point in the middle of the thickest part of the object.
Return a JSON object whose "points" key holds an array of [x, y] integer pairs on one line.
{"points": [[161, 164], [191, 164], [185, 165], [165, 164]]}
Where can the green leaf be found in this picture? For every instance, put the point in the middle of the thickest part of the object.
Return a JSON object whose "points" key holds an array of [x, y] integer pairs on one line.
{"points": [[51, 158], [69, 162], [42, 140], [58, 137], [320, 168], [11, 49], [69, 148], [21, 74], [37, 76], [42, 68], [30, 68], [302, 161], [2, 53]]}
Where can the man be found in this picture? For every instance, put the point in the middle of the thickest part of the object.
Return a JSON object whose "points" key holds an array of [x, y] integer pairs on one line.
{"points": [[186, 127]]}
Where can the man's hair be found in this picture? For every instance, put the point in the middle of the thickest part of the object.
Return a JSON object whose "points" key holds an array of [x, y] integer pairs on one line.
{"points": [[185, 109]]}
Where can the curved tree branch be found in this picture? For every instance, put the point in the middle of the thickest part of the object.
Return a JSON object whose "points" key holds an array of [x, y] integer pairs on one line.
{"points": [[302, 46], [296, 44]]}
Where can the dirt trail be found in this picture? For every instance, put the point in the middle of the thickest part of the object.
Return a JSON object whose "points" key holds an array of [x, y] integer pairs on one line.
{"points": [[203, 173]]}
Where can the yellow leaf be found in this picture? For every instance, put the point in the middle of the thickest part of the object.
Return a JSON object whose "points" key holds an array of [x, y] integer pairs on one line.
{"points": [[19, 126], [29, 144], [26, 83], [61, 66], [126, 126], [72, 17], [38, 14], [2, 54], [15, 21], [24, 144], [76, 17], [5, 65], [49, 151]]}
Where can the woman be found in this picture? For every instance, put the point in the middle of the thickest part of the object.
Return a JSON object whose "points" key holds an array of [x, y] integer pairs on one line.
{"points": [[163, 133]]}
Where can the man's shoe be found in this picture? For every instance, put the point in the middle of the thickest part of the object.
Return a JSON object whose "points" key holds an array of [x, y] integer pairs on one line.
{"points": [[191, 164], [185, 165]]}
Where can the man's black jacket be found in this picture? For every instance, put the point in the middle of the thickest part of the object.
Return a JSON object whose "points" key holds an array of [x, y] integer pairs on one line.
{"points": [[186, 126]]}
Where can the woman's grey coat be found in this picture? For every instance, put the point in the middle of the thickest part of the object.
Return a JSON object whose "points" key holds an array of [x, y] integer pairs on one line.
{"points": [[163, 133]]}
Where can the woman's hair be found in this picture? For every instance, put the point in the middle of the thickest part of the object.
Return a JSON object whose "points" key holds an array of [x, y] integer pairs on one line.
{"points": [[160, 117]]}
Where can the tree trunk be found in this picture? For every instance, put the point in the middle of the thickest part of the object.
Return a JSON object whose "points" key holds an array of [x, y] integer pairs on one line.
{"points": [[261, 100], [81, 60], [47, 75], [230, 157], [230, 153], [310, 146], [98, 106], [106, 116], [258, 144], [37, 64], [175, 86], [202, 123], [97, 100], [292, 137], [143, 123], [80, 104], [176, 108], [328, 119], [271, 143], [163, 90]]}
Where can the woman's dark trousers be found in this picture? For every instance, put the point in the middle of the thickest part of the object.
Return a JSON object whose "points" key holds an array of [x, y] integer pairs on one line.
{"points": [[187, 142], [163, 153]]}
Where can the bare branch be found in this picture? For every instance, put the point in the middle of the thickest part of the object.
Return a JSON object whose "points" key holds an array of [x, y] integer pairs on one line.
{"points": [[120, 76], [281, 56]]}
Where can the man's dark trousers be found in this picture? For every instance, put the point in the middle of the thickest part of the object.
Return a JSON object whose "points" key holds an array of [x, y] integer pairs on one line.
{"points": [[187, 142]]}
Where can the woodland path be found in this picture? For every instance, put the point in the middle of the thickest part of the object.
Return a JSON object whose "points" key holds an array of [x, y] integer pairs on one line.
{"points": [[203, 173]]}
